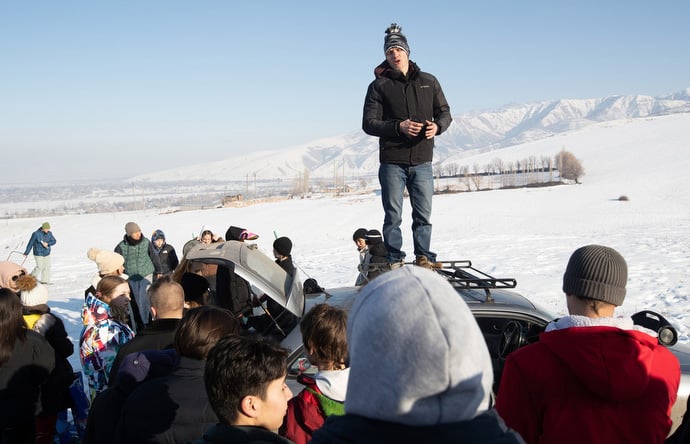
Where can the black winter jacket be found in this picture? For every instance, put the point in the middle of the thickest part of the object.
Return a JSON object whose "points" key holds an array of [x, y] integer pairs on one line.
{"points": [[55, 394], [224, 434], [487, 428], [167, 257], [232, 292], [21, 378], [172, 408], [106, 408], [393, 98], [376, 255]]}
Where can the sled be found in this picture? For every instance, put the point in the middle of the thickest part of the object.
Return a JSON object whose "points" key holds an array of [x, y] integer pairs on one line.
{"points": [[15, 253]]}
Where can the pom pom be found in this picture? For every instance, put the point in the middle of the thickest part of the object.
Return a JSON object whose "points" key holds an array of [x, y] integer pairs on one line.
{"points": [[394, 29], [26, 282]]}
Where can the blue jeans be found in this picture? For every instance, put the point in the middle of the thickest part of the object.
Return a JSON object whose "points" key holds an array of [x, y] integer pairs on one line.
{"points": [[419, 181]]}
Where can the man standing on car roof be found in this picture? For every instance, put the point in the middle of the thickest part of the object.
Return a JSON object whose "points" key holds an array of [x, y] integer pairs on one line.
{"points": [[591, 377], [405, 108]]}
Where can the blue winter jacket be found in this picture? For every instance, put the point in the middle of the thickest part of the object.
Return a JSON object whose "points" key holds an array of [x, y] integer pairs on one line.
{"points": [[37, 237]]}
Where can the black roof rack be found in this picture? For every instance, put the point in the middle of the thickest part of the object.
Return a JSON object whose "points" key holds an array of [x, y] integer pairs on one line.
{"points": [[463, 275]]}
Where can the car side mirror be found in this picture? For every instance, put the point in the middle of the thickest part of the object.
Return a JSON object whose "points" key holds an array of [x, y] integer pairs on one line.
{"points": [[667, 334]]}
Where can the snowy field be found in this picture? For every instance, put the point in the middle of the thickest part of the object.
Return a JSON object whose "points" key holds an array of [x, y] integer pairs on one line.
{"points": [[527, 234]]}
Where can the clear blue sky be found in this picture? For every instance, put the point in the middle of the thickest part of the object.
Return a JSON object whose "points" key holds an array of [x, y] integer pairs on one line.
{"points": [[94, 89]]}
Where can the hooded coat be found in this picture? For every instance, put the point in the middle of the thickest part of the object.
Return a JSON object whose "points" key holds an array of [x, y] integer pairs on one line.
{"points": [[422, 369], [590, 384], [393, 98]]}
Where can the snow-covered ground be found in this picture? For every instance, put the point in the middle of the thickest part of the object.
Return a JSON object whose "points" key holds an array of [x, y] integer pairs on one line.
{"points": [[527, 234]]}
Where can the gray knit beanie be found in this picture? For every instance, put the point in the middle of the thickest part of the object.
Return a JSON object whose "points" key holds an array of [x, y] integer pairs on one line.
{"points": [[131, 228], [596, 272], [395, 39]]}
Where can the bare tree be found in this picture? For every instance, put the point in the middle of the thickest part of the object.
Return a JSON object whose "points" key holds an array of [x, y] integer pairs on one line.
{"points": [[532, 167], [545, 163], [489, 168], [499, 167], [570, 166], [476, 176], [510, 168], [465, 176], [438, 169], [452, 169]]}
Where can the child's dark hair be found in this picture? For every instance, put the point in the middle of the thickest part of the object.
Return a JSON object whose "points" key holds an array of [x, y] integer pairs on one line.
{"points": [[239, 366], [324, 334]]}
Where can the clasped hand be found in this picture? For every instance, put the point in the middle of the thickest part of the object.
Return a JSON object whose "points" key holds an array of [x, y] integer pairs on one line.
{"points": [[412, 129]]}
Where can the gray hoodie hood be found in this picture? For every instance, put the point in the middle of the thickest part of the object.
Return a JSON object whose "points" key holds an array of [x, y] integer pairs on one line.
{"points": [[417, 356]]}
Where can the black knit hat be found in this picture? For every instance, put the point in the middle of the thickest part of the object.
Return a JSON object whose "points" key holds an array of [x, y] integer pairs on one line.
{"points": [[374, 237], [360, 233], [234, 233], [596, 272], [283, 246], [194, 287], [395, 39]]}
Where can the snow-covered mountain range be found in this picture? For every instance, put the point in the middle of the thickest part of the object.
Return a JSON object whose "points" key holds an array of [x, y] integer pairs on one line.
{"points": [[356, 154]]}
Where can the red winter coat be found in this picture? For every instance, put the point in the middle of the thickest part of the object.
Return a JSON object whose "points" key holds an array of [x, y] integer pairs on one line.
{"points": [[307, 412], [590, 385]]}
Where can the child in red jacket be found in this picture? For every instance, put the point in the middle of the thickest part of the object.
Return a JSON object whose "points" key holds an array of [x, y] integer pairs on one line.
{"points": [[324, 336]]}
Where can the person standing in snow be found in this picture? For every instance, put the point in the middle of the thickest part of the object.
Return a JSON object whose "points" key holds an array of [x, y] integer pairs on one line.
{"points": [[141, 264], [592, 377], [167, 307], [55, 395], [41, 241], [376, 256], [405, 108], [113, 264], [359, 237], [277, 321], [103, 334], [10, 273], [26, 361], [166, 253], [175, 408]]}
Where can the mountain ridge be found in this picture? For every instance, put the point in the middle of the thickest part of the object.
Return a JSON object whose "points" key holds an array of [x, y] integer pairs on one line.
{"points": [[355, 154]]}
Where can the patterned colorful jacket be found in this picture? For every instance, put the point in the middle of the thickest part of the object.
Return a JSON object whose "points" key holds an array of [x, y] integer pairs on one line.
{"points": [[101, 338]]}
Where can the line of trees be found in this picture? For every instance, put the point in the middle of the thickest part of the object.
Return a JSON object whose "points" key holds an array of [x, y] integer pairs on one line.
{"points": [[530, 170]]}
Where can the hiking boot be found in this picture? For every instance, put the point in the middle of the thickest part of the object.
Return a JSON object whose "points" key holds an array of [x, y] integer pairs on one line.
{"points": [[398, 264], [423, 261]]}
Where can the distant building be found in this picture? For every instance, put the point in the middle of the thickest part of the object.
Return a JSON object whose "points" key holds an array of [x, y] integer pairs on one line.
{"points": [[229, 200]]}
